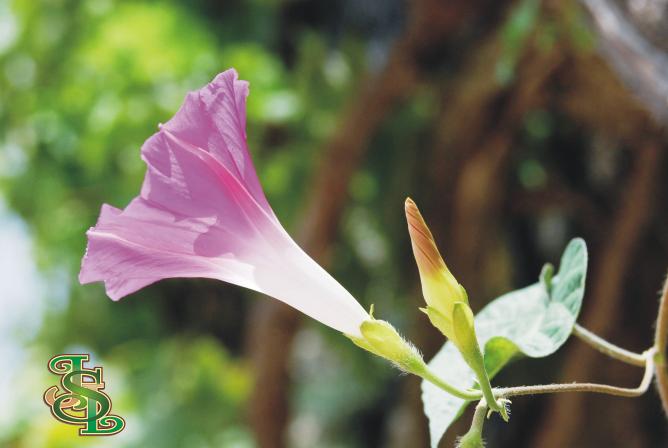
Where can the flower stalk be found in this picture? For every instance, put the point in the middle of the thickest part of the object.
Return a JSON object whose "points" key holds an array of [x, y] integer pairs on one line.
{"points": [[468, 395], [473, 438]]}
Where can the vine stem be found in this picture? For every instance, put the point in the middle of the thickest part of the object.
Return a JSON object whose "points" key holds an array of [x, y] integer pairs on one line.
{"points": [[660, 342], [474, 435], [479, 414], [649, 357], [607, 348]]}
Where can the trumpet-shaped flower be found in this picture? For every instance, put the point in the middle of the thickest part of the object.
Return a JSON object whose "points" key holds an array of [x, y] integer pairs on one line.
{"points": [[202, 213]]}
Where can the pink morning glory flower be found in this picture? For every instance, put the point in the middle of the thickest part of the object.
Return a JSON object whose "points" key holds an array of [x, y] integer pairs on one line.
{"points": [[202, 213]]}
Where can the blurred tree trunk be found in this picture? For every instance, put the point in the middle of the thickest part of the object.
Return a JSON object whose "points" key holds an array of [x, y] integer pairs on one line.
{"points": [[431, 23]]}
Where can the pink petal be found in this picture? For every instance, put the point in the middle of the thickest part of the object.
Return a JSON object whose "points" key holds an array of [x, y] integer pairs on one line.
{"points": [[202, 213], [214, 119]]}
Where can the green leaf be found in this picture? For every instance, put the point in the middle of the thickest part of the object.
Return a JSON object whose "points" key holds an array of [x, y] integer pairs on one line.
{"points": [[533, 321]]}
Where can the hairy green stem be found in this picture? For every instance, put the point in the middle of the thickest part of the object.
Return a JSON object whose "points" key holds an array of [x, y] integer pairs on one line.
{"points": [[449, 388], [479, 415], [660, 342], [473, 438], [488, 393], [649, 356], [607, 348]]}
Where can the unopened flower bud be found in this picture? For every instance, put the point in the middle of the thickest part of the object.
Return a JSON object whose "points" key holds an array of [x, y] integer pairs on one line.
{"points": [[439, 287], [447, 302]]}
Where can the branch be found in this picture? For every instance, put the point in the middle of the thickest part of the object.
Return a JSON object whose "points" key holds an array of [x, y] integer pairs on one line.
{"points": [[638, 62]]}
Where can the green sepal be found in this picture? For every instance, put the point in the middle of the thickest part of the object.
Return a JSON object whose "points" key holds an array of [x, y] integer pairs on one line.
{"points": [[472, 439], [382, 339], [464, 335], [464, 294], [466, 342], [439, 320]]}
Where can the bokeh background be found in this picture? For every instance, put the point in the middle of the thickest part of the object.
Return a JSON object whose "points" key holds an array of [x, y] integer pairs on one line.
{"points": [[515, 125]]}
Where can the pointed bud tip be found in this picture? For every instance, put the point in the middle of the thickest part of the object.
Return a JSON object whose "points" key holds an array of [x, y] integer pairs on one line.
{"points": [[426, 253], [412, 210]]}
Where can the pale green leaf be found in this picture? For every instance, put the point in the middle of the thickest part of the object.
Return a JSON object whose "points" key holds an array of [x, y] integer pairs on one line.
{"points": [[533, 321]]}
